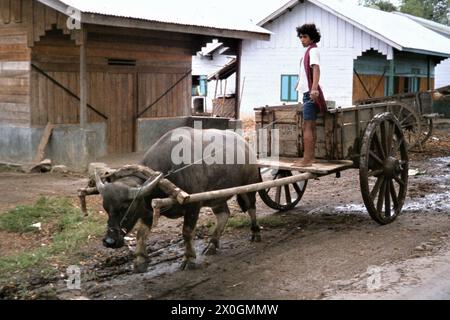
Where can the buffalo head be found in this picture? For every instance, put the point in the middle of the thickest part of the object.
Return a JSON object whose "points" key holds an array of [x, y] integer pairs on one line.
{"points": [[124, 202]]}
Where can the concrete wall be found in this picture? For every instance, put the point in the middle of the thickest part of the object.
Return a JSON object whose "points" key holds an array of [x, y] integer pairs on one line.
{"points": [[68, 145], [18, 144], [150, 130], [76, 148]]}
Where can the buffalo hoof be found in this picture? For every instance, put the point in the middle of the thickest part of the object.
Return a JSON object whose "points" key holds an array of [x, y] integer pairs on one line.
{"points": [[188, 265], [256, 237], [140, 267], [210, 250]]}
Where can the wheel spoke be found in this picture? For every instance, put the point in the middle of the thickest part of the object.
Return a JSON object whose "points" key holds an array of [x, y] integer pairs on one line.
{"points": [[387, 206], [379, 145], [297, 188], [287, 194], [384, 137], [373, 155], [376, 188], [375, 173], [274, 178], [390, 137], [394, 195], [404, 120], [278, 195], [381, 197]]}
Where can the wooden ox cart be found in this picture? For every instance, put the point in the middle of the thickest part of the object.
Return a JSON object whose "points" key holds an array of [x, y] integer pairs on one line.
{"points": [[368, 137]]}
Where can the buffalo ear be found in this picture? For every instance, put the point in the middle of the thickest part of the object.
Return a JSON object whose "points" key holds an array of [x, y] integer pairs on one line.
{"points": [[146, 189]]}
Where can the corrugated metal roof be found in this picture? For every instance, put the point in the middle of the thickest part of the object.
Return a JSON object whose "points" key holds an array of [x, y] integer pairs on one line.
{"points": [[442, 28], [191, 13], [398, 31]]}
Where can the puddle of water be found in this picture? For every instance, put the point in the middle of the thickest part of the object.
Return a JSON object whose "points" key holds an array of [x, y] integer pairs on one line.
{"points": [[432, 201]]}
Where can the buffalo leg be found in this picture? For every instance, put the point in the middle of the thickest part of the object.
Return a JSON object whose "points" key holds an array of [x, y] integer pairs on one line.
{"points": [[190, 222], [141, 261], [222, 214], [247, 202], [256, 229]]}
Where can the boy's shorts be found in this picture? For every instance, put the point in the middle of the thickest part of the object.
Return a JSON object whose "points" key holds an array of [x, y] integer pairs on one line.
{"points": [[310, 108]]}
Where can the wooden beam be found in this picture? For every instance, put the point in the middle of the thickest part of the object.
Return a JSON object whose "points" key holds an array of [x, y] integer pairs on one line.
{"points": [[238, 81], [391, 77], [44, 141], [83, 80]]}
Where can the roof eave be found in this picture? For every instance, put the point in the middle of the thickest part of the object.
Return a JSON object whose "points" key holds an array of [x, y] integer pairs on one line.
{"points": [[114, 21], [279, 12], [426, 52]]}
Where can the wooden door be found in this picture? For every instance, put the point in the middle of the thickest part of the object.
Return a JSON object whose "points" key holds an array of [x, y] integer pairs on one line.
{"points": [[163, 95], [368, 86], [114, 95]]}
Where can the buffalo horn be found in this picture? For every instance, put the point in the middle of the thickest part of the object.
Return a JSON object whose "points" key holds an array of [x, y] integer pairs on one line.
{"points": [[146, 188], [99, 183]]}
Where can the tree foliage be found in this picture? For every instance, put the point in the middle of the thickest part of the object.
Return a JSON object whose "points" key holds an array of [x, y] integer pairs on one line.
{"points": [[379, 4], [435, 10]]}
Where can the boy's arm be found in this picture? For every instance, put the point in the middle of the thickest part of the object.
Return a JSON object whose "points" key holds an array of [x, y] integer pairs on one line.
{"points": [[315, 84]]}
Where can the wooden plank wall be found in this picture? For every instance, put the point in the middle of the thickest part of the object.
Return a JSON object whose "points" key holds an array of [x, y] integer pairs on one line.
{"points": [[14, 62], [157, 69], [373, 85], [160, 60]]}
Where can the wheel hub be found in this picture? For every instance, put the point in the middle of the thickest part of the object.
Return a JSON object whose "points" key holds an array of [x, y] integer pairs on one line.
{"points": [[391, 167]]}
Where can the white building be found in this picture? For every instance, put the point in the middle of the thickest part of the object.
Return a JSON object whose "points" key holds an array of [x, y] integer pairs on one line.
{"points": [[442, 71], [364, 52], [208, 61]]}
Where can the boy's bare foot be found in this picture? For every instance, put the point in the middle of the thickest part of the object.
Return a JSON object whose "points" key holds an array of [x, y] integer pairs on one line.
{"points": [[303, 163]]}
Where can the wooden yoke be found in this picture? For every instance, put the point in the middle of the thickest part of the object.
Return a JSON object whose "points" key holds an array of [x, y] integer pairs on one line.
{"points": [[142, 172], [146, 173]]}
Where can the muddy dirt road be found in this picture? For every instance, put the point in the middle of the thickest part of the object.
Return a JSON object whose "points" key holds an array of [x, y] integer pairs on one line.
{"points": [[321, 250]]}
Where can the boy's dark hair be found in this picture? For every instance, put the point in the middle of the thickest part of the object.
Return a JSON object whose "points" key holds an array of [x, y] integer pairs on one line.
{"points": [[311, 31]]}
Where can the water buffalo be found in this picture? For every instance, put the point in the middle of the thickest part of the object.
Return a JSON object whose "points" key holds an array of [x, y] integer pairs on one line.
{"points": [[128, 200]]}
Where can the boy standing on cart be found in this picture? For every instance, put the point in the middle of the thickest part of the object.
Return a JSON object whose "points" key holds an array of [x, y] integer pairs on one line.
{"points": [[308, 86]]}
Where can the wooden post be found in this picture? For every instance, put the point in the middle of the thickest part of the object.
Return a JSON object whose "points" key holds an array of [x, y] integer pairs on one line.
{"points": [[391, 77], [238, 81], [224, 95], [83, 79], [428, 73]]}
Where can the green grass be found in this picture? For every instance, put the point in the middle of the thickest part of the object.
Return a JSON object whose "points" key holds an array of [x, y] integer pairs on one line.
{"points": [[21, 219], [70, 230]]}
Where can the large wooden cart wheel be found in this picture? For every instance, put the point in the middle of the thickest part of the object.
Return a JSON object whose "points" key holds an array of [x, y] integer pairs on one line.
{"points": [[410, 123], [383, 170], [281, 198]]}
